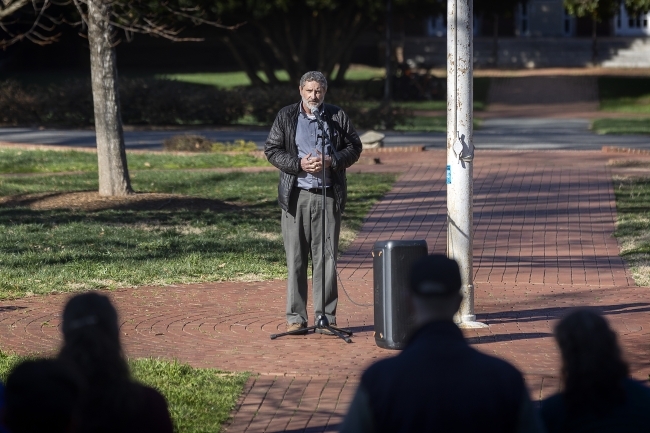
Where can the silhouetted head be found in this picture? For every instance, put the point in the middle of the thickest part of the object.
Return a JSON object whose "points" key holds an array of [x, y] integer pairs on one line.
{"points": [[435, 284], [91, 336], [90, 313], [41, 396], [92, 349], [592, 365]]}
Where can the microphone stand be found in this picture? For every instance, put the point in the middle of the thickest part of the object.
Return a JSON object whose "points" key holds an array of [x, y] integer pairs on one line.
{"points": [[322, 322]]}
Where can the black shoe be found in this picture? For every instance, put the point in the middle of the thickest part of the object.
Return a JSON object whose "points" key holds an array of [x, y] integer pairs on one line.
{"points": [[291, 327]]}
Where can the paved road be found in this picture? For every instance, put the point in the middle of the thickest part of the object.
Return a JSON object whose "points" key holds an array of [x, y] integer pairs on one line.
{"points": [[528, 134]]}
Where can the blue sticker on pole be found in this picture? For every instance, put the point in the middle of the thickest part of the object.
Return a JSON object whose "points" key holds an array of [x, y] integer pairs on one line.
{"points": [[449, 175]]}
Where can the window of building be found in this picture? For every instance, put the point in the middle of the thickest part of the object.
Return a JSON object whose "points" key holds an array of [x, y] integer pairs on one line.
{"points": [[524, 18], [631, 25], [568, 24]]}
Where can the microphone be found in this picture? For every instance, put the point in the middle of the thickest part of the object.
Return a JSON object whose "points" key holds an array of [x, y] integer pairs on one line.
{"points": [[316, 112]]}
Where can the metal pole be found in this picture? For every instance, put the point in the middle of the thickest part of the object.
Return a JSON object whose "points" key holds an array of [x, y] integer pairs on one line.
{"points": [[460, 150], [389, 44]]}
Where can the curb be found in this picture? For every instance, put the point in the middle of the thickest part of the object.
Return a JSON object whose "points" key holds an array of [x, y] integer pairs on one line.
{"points": [[396, 149], [614, 149]]}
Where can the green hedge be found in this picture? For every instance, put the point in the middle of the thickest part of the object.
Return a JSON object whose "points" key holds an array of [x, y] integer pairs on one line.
{"points": [[143, 102], [167, 102]]}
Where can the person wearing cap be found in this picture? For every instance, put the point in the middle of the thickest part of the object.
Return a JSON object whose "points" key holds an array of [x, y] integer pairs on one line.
{"points": [[438, 382], [293, 146]]}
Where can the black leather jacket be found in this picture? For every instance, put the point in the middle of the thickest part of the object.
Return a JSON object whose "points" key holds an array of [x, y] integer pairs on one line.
{"points": [[281, 150]]}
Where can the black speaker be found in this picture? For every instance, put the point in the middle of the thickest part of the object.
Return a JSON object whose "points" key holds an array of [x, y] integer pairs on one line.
{"points": [[392, 261]]}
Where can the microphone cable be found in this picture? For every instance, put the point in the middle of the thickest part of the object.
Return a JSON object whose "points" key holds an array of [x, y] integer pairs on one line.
{"points": [[338, 276], [317, 113]]}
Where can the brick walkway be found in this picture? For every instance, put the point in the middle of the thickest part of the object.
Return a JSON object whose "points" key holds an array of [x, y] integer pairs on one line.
{"points": [[543, 244]]}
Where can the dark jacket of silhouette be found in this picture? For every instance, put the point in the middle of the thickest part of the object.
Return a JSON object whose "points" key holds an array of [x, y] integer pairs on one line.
{"points": [[632, 415], [439, 383]]}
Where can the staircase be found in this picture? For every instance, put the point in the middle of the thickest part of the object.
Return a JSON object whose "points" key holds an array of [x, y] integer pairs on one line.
{"points": [[637, 55]]}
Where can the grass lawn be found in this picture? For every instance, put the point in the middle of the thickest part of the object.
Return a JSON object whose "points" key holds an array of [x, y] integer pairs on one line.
{"points": [[227, 80], [229, 231], [54, 161], [624, 94], [621, 126], [200, 400], [355, 73], [633, 225], [224, 80]]}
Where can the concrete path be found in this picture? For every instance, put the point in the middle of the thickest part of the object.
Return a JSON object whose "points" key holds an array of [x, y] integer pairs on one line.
{"points": [[543, 245], [152, 140], [495, 133]]}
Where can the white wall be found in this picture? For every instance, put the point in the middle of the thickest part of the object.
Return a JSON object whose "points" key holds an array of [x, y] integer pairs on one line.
{"points": [[625, 25]]}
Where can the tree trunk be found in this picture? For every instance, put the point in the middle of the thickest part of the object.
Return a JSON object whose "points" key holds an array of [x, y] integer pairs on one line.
{"points": [[495, 40], [342, 55], [594, 41], [346, 58], [111, 153], [388, 51], [298, 60], [277, 52], [250, 71]]}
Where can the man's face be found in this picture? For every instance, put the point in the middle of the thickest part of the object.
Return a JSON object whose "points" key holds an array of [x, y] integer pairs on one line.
{"points": [[313, 94]]}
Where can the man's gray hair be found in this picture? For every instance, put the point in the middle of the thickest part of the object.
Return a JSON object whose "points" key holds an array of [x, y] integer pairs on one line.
{"points": [[314, 76]]}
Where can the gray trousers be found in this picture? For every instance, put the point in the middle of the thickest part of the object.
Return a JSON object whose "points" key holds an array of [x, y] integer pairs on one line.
{"points": [[301, 231]]}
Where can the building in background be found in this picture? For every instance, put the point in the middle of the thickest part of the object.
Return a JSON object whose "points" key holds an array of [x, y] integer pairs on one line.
{"points": [[626, 25], [543, 18], [538, 33]]}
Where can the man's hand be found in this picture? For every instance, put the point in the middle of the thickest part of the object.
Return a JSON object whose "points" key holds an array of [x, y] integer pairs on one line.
{"points": [[311, 164], [327, 159], [314, 164]]}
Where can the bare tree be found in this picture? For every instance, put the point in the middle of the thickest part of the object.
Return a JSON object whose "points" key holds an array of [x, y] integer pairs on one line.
{"points": [[106, 21]]}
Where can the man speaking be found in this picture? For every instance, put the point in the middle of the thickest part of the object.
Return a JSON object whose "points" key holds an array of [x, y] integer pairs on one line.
{"points": [[293, 146]]}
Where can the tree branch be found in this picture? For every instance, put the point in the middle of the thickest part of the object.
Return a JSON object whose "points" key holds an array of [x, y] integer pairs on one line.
{"points": [[7, 9], [32, 34], [200, 20], [322, 19]]}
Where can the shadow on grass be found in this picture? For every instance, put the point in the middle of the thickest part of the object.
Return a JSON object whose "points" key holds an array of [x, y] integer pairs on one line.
{"points": [[139, 228], [91, 201]]}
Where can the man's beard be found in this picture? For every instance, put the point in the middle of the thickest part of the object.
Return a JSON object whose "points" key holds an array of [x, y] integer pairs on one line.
{"points": [[312, 105]]}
